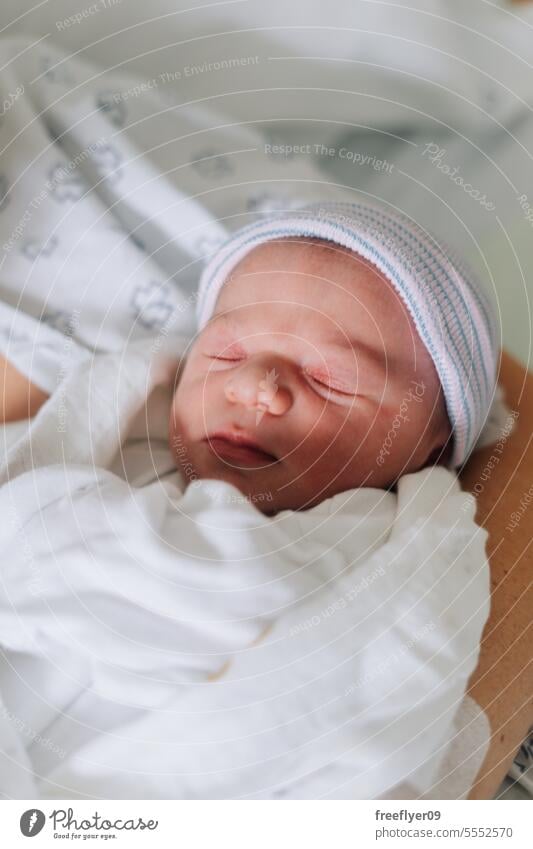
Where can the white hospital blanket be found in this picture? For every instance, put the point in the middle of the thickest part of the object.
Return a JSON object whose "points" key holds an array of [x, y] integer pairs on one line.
{"points": [[342, 637]]}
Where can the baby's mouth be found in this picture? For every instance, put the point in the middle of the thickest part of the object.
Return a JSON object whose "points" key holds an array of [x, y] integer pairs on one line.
{"points": [[239, 448]]}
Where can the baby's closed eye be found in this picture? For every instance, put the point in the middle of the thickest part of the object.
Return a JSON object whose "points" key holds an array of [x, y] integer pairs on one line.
{"points": [[330, 383], [326, 384]]}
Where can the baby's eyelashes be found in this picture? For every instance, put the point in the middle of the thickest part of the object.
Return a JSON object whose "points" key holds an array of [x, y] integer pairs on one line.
{"points": [[226, 353], [320, 381], [329, 384], [223, 358]]}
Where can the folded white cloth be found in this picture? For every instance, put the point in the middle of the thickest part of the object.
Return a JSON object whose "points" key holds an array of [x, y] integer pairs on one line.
{"points": [[341, 637]]}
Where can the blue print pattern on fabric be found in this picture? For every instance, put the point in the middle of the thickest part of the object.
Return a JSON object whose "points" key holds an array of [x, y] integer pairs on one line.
{"points": [[267, 202], [207, 245], [66, 185], [107, 162], [13, 336], [152, 304], [138, 242], [114, 110], [60, 320], [211, 163], [54, 72], [34, 249]]}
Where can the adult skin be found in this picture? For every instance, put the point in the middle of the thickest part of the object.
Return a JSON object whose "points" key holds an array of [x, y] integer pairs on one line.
{"points": [[20, 398]]}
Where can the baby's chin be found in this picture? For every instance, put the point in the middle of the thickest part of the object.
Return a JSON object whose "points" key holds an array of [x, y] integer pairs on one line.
{"points": [[197, 462], [270, 493], [271, 488], [252, 489]]}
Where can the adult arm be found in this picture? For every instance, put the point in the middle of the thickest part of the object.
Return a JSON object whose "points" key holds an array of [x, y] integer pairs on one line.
{"points": [[20, 398], [502, 684]]}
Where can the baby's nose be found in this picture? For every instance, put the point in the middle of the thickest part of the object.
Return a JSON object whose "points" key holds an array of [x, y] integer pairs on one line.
{"points": [[257, 386]]}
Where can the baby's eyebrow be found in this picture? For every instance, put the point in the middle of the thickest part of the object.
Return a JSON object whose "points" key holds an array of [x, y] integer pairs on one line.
{"points": [[231, 315], [352, 351], [225, 319]]}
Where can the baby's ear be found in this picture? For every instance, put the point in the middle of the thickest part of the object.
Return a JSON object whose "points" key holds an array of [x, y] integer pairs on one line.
{"points": [[441, 454]]}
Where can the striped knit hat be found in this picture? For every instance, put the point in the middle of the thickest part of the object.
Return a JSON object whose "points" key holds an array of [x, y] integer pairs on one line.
{"points": [[453, 316]]}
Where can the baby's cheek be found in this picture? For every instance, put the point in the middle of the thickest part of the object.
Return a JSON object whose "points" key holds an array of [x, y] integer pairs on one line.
{"points": [[184, 405], [330, 441], [198, 403]]}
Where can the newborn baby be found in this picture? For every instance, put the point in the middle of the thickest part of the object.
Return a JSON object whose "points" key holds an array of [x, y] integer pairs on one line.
{"points": [[339, 347]]}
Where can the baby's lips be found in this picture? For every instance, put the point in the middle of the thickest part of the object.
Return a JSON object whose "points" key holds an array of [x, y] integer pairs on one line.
{"points": [[240, 454], [237, 438]]}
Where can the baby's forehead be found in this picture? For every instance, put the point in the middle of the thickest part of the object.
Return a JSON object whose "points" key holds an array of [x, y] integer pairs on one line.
{"points": [[323, 258], [306, 267], [300, 247], [344, 294]]}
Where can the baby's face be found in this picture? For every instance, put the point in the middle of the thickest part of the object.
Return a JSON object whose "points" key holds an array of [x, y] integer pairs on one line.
{"points": [[309, 379]]}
